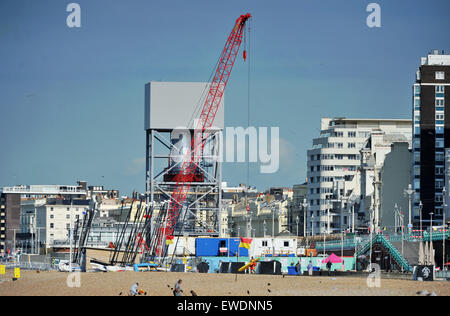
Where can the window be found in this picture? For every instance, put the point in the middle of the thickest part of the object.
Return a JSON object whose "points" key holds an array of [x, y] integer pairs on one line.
{"points": [[439, 89], [52, 216], [439, 143], [264, 243], [363, 134], [340, 145], [439, 102], [416, 156], [52, 225], [439, 170], [339, 157], [438, 198], [286, 244], [67, 216], [439, 157], [439, 184], [351, 145], [439, 129], [338, 134], [417, 119], [351, 134], [439, 117], [417, 104], [417, 90], [440, 75]]}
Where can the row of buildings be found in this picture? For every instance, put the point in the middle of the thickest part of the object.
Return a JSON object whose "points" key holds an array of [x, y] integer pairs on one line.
{"points": [[361, 174], [39, 217], [385, 173]]}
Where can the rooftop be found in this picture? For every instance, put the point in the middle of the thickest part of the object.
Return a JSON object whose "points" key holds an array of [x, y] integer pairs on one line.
{"points": [[436, 58]]}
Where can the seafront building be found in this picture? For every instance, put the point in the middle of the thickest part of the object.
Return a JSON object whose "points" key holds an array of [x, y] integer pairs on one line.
{"points": [[35, 217], [431, 130], [343, 165]]}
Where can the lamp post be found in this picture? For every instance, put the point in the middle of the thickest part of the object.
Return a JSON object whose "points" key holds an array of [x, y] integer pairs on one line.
{"points": [[431, 226], [71, 237], [420, 211], [444, 194], [371, 233], [409, 192], [297, 220], [396, 218], [312, 225], [273, 222], [305, 207], [402, 217], [328, 219], [353, 218]]}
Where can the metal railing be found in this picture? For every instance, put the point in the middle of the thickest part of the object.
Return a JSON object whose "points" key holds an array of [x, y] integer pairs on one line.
{"points": [[443, 274], [350, 242], [31, 266]]}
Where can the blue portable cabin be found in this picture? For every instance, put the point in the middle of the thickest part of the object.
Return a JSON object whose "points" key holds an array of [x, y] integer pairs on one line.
{"points": [[210, 247]]}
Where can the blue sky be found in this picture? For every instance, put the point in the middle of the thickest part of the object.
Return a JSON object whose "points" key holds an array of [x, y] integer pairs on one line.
{"points": [[72, 99]]}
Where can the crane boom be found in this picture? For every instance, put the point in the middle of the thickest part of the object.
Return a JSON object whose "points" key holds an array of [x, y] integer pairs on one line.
{"points": [[205, 121]]}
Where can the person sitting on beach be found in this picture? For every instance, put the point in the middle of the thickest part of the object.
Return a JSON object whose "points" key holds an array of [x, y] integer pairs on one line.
{"points": [[134, 289]]}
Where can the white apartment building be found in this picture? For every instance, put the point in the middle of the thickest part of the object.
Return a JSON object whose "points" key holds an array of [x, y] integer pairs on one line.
{"points": [[334, 168], [49, 219]]}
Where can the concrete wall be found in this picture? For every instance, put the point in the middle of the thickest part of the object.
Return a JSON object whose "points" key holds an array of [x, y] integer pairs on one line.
{"points": [[214, 262], [395, 177]]}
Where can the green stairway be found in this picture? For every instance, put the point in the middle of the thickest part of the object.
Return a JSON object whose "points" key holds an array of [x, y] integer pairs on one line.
{"points": [[396, 255]]}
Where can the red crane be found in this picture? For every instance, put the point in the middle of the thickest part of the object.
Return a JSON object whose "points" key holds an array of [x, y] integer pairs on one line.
{"points": [[205, 121]]}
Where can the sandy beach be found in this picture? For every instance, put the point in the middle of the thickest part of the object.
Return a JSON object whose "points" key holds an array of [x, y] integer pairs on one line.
{"points": [[160, 284]]}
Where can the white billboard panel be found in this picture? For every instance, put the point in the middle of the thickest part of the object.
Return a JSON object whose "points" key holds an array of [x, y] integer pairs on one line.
{"points": [[169, 105]]}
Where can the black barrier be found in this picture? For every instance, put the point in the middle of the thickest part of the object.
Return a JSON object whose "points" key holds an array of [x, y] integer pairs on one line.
{"points": [[224, 267], [425, 272], [203, 267], [235, 266], [269, 267], [177, 268]]}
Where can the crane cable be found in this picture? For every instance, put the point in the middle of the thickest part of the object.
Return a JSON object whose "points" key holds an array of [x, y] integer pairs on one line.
{"points": [[247, 34]]}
